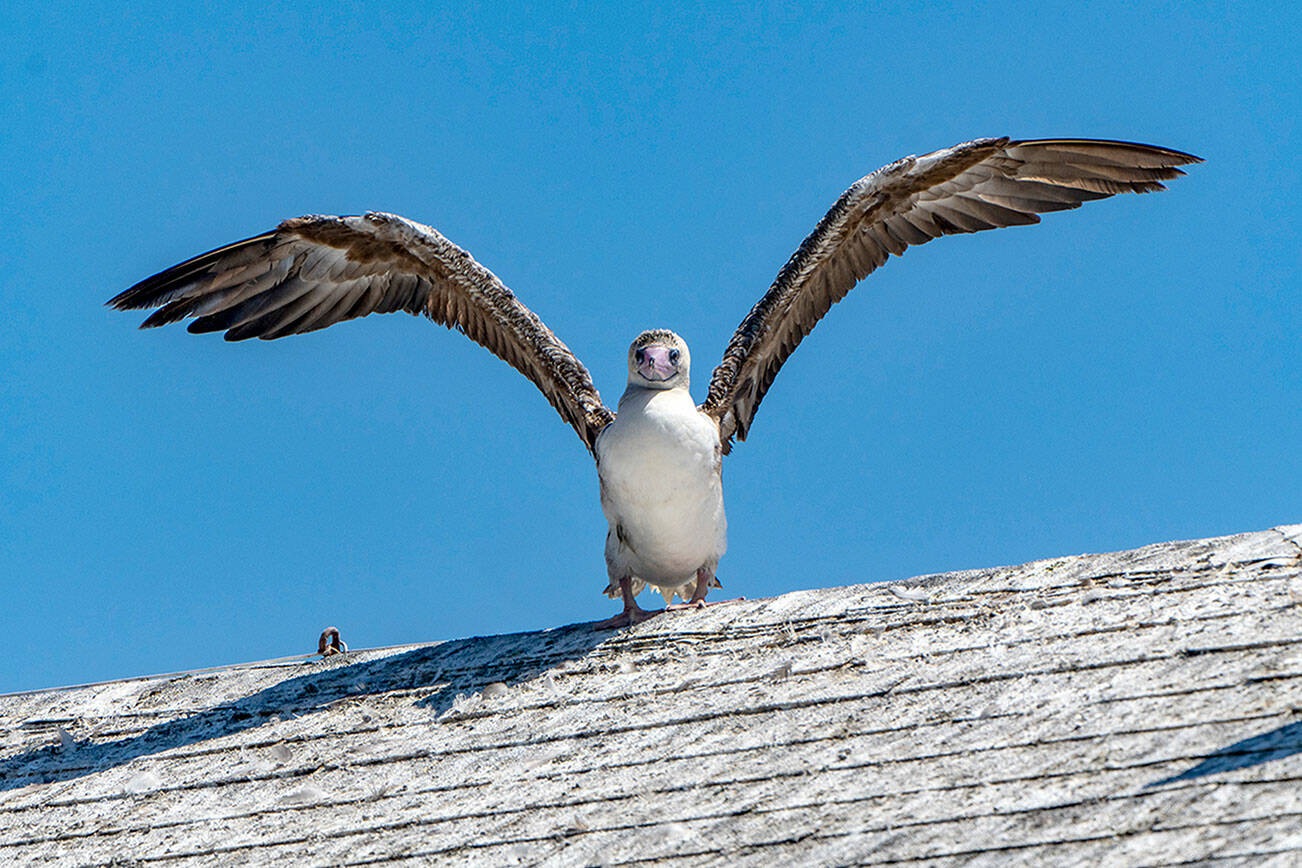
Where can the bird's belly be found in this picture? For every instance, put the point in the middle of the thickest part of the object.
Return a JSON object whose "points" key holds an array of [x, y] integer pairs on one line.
{"points": [[671, 524], [664, 500]]}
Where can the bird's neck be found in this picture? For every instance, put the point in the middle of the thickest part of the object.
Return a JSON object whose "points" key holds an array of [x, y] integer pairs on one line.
{"points": [[638, 398]]}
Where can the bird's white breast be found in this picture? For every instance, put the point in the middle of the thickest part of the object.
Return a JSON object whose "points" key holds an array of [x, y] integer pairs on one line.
{"points": [[659, 468]]}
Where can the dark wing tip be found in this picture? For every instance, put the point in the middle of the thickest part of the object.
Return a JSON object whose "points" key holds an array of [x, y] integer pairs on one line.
{"points": [[160, 288], [1171, 155], [1106, 166], [135, 298], [160, 317]]}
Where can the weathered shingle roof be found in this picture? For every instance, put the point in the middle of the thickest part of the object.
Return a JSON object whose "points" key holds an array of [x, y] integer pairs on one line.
{"points": [[1131, 708]]}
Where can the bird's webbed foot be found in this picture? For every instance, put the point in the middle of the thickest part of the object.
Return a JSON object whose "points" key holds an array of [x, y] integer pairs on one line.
{"points": [[632, 614], [626, 618]]}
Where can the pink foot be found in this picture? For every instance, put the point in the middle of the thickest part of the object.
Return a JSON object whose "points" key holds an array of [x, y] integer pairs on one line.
{"points": [[627, 618], [704, 581], [632, 614]]}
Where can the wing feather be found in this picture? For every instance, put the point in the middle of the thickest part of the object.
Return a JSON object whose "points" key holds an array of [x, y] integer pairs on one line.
{"points": [[978, 185], [312, 272]]}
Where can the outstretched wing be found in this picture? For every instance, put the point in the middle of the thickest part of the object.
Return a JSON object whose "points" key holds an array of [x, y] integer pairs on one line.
{"points": [[983, 184], [311, 272]]}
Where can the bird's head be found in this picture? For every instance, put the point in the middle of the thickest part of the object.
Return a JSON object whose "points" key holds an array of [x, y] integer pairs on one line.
{"points": [[658, 359]]}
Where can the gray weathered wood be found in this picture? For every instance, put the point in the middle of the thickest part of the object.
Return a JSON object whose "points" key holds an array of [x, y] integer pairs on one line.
{"points": [[1136, 708]]}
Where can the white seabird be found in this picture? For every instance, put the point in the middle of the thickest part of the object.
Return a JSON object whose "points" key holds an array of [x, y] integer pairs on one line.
{"points": [[658, 457]]}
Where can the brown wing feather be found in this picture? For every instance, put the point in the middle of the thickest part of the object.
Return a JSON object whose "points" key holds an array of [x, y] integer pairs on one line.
{"points": [[312, 272], [982, 184]]}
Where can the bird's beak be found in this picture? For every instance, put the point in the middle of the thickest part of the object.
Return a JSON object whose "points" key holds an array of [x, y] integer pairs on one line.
{"points": [[655, 364]]}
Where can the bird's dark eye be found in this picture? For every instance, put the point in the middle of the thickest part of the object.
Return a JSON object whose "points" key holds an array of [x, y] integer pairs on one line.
{"points": [[673, 356]]}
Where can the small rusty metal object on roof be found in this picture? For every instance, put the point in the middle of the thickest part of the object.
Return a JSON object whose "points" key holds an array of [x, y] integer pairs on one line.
{"points": [[330, 643]]}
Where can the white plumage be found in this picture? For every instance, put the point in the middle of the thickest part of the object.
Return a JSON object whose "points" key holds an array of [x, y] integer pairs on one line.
{"points": [[662, 492]]}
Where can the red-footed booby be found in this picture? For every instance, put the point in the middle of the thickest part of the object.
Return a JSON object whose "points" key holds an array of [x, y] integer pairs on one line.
{"points": [[658, 457]]}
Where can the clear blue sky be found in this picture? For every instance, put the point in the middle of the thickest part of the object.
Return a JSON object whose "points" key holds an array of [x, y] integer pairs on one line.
{"points": [[1118, 375]]}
